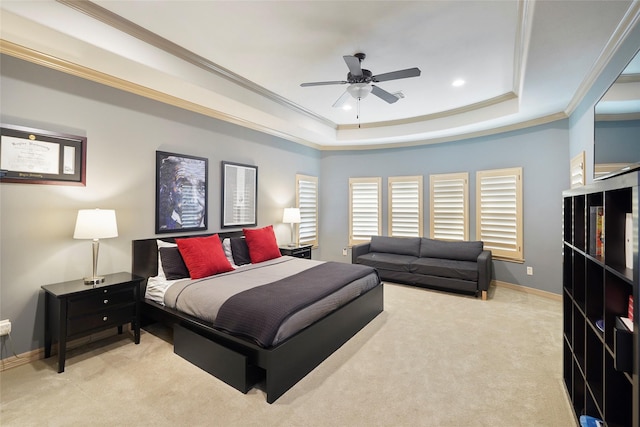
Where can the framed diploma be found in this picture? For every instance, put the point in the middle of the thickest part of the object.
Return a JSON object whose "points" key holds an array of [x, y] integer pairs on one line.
{"points": [[36, 156]]}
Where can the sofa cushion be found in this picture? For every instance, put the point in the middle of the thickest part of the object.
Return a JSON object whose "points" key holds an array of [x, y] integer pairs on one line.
{"points": [[393, 262], [396, 245], [464, 251], [454, 269]]}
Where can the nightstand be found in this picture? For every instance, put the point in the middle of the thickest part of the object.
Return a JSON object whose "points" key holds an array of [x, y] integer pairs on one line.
{"points": [[74, 310], [302, 251]]}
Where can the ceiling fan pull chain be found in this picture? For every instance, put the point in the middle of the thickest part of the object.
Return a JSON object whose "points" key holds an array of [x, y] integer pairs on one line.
{"points": [[358, 112]]}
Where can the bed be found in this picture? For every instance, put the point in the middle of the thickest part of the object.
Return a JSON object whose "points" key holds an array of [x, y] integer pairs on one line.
{"points": [[277, 359]]}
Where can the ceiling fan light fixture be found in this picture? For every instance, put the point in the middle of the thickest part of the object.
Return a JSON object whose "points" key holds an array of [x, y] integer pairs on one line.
{"points": [[359, 90]]}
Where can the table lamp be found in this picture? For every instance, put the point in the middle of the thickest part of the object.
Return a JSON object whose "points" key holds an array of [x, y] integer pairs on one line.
{"points": [[95, 224], [291, 216]]}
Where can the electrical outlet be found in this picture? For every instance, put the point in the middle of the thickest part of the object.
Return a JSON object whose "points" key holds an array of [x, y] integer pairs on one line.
{"points": [[5, 327], [344, 251], [529, 271]]}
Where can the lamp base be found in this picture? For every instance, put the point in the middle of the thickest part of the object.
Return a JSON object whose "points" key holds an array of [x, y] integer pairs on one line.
{"points": [[96, 280]]}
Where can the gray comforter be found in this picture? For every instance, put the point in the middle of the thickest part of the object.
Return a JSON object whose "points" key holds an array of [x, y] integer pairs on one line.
{"points": [[204, 298]]}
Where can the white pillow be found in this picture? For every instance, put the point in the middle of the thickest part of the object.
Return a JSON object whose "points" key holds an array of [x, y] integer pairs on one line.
{"points": [[226, 245], [163, 244]]}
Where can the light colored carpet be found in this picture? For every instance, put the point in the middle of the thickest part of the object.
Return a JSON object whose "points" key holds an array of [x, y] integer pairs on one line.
{"points": [[431, 359]]}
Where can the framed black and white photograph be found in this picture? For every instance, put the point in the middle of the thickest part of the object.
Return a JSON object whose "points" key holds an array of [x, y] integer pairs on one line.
{"points": [[239, 195], [181, 192], [36, 156]]}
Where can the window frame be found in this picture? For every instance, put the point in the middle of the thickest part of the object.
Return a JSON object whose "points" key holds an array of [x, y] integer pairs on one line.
{"points": [[577, 171], [369, 180], [515, 253], [433, 216], [304, 211], [419, 221]]}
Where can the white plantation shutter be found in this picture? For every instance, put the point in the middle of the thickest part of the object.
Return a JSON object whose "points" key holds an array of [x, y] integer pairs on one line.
{"points": [[449, 196], [499, 212], [307, 202], [365, 216], [577, 171], [405, 206]]}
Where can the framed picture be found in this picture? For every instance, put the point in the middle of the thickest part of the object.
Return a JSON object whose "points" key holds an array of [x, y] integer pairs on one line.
{"points": [[239, 195], [181, 192], [36, 156]]}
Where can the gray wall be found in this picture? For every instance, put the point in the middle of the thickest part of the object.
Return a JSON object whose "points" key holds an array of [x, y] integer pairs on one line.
{"points": [[541, 151], [617, 141], [123, 131]]}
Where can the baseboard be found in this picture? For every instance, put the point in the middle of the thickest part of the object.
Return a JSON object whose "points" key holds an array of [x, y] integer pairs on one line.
{"points": [[37, 354], [528, 290], [21, 359]]}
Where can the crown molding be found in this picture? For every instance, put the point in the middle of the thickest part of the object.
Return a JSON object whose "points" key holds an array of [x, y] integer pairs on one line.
{"points": [[522, 43], [628, 78], [121, 24], [457, 137], [435, 116], [628, 22], [616, 117], [49, 61]]}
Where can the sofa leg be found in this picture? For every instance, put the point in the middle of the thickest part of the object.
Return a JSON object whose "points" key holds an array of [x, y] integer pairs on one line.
{"points": [[484, 295]]}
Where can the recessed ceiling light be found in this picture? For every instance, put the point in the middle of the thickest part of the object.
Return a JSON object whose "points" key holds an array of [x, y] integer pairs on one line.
{"points": [[458, 83]]}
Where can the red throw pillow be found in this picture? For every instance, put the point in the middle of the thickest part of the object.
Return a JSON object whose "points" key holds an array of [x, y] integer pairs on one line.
{"points": [[203, 256], [262, 244]]}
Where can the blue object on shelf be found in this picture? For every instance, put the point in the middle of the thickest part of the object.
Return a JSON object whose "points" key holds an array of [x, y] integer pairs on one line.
{"points": [[600, 325], [588, 421]]}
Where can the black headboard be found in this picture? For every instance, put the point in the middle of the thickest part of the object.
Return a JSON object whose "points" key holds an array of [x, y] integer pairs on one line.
{"points": [[145, 252]]}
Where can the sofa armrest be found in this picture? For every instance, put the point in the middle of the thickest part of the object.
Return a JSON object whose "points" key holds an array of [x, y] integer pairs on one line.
{"points": [[484, 270], [357, 250]]}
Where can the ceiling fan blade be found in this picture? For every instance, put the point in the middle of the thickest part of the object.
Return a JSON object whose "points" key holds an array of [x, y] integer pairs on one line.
{"points": [[342, 100], [335, 82], [394, 75], [383, 94], [353, 62]]}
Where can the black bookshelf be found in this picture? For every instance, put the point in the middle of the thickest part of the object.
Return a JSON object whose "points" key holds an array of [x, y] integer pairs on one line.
{"points": [[601, 358]]}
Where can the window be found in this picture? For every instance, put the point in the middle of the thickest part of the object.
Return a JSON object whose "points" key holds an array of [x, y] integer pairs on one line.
{"points": [[365, 216], [307, 202], [449, 212], [405, 206], [499, 212], [577, 171]]}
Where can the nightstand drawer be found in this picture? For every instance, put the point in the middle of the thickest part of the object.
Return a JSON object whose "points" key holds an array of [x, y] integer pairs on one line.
{"points": [[100, 299], [297, 251], [301, 253], [103, 318]]}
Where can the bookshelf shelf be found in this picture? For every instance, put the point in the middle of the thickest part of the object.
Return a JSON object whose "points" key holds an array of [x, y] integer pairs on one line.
{"points": [[601, 367]]}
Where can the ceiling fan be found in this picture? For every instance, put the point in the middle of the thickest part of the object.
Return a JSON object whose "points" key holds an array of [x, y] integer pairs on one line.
{"points": [[360, 81]]}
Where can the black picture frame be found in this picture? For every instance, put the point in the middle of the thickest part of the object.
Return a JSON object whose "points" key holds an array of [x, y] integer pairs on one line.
{"points": [[239, 195], [37, 156], [181, 192]]}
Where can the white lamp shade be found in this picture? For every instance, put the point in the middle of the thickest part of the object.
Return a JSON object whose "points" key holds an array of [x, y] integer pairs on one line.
{"points": [[96, 224], [291, 216], [359, 90]]}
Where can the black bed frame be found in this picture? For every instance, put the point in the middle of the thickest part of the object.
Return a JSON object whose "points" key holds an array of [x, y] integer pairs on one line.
{"points": [[243, 364]]}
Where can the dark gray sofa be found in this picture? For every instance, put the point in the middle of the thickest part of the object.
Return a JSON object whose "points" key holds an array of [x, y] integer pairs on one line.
{"points": [[420, 261]]}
